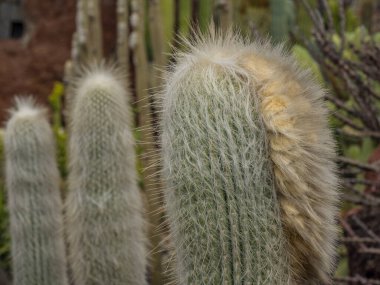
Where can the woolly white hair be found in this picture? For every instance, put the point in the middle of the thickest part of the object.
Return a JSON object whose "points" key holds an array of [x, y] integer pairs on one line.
{"points": [[26, 107], [105, 224], [212, 72], [35, 206]]}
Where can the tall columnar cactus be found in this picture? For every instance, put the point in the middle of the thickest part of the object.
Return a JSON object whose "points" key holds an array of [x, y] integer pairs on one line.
{"points": [[248, 159], [34, 201], [282, 17], [105, 223]]}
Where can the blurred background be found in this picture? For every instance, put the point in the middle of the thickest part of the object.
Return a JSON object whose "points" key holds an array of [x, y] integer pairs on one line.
{"points": [[44, 42]]}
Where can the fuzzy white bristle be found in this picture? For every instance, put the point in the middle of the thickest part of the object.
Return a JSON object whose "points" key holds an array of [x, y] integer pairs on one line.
{"points": [[26, 107]]}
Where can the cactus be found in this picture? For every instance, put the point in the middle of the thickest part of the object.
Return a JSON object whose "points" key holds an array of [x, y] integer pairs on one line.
{"points": [[248, 160], [282, 12], [104, 214], [34, 201]]}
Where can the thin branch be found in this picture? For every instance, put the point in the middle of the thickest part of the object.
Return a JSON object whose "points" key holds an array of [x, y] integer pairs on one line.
{"points": [[342, 28], [358, 240], [347, 121], [361, 165], [369, 232], [341, 105], [356, 280], [330, 22]]}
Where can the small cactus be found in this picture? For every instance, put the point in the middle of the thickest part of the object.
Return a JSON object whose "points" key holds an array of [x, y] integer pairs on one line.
{"points": [[34, 201], [248, 160], [105, 223]]}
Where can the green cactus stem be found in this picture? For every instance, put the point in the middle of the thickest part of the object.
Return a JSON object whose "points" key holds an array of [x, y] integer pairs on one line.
{"points": [[105, 222], [35, 207], [248, 160]]}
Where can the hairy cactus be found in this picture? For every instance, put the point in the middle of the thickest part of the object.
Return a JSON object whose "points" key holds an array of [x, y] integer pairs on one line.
{"points": [[34, 201], [105, 223], [248, 160]]}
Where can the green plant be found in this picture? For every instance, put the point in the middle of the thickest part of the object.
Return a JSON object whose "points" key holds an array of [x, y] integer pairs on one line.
{"points": [[349, 59], [55, 100], [34, 201], [248, 160], [105, 223]]}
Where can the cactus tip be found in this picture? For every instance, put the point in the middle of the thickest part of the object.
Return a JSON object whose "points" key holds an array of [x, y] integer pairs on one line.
{"points": [[26, 107]]}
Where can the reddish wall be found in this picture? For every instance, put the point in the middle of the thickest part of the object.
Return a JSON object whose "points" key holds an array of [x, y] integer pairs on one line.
{"points": [[33, 67]]}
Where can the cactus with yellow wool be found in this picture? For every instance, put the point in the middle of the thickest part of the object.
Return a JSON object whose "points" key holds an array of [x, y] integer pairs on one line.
{"points": [[35, 207], [104, 212], [249, 162]]}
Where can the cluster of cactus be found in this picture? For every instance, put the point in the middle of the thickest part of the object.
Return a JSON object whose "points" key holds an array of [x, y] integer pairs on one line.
{"points": [[103, 213], [247, 160]]}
